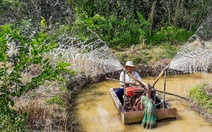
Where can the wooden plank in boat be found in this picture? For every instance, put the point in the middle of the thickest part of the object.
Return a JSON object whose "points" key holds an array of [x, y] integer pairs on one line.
{"points": [[166, 113], [133, 117], [137, 116]]}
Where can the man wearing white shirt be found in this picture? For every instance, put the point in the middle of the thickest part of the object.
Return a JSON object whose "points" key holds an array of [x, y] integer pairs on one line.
{"points": [[128, 80]]}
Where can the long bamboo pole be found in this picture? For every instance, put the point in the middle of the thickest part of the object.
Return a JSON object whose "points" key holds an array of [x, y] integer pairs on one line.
{"points": [[124, 88], [141, 83], [187, 99], [164, 90], [155, 90], [156, 80]]}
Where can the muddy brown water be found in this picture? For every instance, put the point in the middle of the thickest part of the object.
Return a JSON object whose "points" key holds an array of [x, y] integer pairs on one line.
{"points": [[96, 111]]}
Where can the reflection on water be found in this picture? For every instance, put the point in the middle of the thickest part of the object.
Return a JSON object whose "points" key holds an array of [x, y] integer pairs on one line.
{"points": [[97, 112]]}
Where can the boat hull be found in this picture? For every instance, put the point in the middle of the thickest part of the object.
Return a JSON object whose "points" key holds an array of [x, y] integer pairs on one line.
{"points": [[129, 117]]}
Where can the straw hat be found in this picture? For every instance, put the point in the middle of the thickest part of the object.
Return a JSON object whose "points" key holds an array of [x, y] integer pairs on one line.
{"points": [[129, 63]]}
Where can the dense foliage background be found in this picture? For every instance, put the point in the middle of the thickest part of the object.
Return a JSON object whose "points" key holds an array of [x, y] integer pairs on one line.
{"points": [[118, 22]]}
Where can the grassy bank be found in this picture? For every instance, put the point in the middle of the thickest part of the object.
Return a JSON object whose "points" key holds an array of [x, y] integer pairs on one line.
{"points": [[48, 108], [201, 100], [144, 54]]}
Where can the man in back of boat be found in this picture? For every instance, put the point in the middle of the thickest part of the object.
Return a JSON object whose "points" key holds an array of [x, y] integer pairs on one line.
{"points": [[126, 80]]}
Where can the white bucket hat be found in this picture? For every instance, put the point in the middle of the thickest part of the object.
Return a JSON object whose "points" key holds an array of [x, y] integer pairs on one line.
{"points": [[129, 63]]}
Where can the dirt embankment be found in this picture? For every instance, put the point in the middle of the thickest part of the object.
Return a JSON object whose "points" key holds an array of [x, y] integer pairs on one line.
{"points": [[201, 110]]}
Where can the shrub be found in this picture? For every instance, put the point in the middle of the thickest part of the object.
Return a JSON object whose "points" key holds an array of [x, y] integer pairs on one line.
{"points": [[169, 34], [113, 31], [169, 51], [198, 94], [12, 122], [23, 47]]}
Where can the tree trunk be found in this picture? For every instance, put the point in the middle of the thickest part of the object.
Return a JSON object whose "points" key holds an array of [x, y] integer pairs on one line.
{"points": [[169, 14], [176, 12], [152, 17]]}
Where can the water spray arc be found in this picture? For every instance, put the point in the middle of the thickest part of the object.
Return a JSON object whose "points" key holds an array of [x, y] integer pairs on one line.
{"points": [[196, 54], [89, 57]]}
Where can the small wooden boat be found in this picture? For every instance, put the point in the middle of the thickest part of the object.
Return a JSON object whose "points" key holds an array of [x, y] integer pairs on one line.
{"points": [[131, 115]]}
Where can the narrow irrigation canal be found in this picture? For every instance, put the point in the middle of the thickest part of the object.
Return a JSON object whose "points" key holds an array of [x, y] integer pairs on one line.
{"points": [[97, 113]]}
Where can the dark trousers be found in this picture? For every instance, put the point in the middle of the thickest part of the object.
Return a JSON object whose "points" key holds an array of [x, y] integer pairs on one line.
{"points": [[120, 92]]}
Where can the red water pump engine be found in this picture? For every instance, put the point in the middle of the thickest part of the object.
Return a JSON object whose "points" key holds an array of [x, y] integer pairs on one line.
{"points": [[133, 97]]}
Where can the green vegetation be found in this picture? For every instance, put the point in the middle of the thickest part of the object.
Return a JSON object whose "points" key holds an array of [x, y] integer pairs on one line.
{"points": [[170, 34], [12, 122], [168, 51], [148, 54], [117, 22], [198, 94], [19, 52], [123, 23], [57, 100], [128, 30], [115, 32]]}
